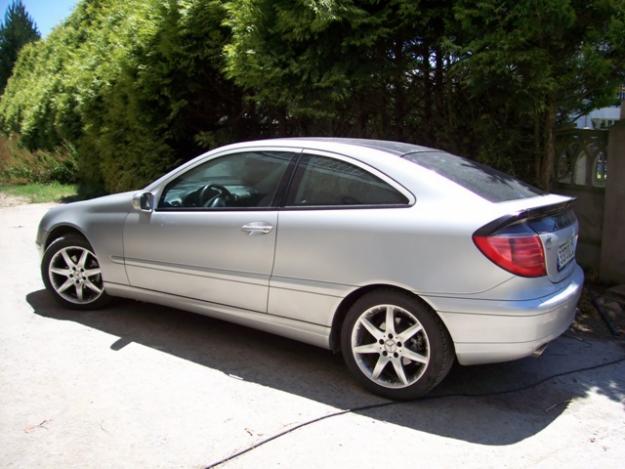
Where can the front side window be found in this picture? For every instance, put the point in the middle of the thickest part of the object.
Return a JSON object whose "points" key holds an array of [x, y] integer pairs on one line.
{"points": [[323, 181], [240, 180]]}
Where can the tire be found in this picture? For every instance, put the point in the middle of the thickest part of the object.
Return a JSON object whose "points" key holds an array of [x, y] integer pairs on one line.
{"points": [[418, 344], [75, 286]]}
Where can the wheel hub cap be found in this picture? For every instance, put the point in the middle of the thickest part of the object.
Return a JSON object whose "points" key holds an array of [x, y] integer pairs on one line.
{"points": [[390, 346]]}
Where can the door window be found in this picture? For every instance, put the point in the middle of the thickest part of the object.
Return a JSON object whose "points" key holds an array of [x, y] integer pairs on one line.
{"points": [[323, 181], [240, 180]]}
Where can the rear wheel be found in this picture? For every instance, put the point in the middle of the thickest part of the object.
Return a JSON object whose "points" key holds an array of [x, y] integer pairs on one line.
{"points": [[71, 272], [395, 346]]}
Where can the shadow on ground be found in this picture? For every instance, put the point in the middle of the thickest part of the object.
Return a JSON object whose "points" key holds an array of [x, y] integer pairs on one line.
{"points": [[316, 374]]}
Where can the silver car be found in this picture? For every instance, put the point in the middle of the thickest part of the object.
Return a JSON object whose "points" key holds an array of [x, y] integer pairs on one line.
{"points": [[403, 258]]}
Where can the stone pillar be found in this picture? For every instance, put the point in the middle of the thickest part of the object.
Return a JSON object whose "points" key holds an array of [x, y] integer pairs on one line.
{"points": [[612, 268]]}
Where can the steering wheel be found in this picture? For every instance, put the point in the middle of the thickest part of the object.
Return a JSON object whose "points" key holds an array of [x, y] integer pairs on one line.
{"points": [[214, 195]]}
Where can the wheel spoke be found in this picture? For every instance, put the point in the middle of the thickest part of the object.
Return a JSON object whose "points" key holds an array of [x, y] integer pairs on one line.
{"points": [[374, 331], [369, 348], [414, 356], [389, 323], [408, 333], [89, 284], [92, 272], [79, 291], [379, 366], [83, 258], [68, 283], [399, 370], [64, 272], [68, 260]]}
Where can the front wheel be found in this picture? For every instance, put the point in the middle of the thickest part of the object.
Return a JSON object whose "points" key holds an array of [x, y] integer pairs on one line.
{"points": [[71, 272], [395, 346]]}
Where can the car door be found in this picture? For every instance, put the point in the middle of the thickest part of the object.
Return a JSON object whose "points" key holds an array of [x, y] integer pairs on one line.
{"points": [[212, 234], [338, 213]]}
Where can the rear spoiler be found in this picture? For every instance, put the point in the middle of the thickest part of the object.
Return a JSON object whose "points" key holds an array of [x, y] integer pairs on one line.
{"points": [[527, 214]]}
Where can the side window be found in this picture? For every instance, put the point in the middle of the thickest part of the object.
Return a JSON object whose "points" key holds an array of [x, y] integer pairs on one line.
{"points": [[327, 181], [240, 180]]}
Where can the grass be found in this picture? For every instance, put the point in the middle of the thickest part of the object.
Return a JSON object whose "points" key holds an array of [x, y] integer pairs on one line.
{"points": [[37, 192]]}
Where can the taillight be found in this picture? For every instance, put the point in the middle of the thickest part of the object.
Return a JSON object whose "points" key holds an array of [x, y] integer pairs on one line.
{"points": [[517, 248]]}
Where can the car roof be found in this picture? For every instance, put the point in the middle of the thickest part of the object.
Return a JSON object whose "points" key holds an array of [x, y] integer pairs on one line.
{"points": [[389, 146]]}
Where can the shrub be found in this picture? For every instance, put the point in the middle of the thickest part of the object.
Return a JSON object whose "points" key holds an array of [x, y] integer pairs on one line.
{"points": [[18, 165]]}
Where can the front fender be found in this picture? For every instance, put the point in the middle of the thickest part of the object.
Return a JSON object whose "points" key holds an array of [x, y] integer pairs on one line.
{"points": [[101, 222]]}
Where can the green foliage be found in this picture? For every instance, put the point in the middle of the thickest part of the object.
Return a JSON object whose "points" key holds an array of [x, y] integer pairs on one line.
{"points": [[19, 165], [335, 65], [129, 84], [489, 79], [543, 61], [138, 86], [17, 30]]}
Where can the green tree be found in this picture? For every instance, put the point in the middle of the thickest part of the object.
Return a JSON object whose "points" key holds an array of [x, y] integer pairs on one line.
{"points": [[362, 68], [16, 30], [545, 59], [327, 66], [135, 85], [490, 79]]}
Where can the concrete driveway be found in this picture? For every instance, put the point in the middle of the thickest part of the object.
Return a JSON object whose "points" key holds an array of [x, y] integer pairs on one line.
{"points": [[139, 385]]}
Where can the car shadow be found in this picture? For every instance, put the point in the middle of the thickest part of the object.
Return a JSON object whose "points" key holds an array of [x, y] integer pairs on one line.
{"points": [[313, 373]]}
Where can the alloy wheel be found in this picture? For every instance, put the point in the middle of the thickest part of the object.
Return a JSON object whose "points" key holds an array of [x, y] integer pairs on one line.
{"points": [[390, 346], [75, 275]]}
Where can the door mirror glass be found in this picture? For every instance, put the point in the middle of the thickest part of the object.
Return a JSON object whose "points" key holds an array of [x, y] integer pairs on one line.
{"points": [[143, 201]]}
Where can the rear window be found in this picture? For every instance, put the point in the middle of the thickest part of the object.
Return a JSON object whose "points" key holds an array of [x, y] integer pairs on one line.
{"points": [[326, 181], [480, 179]]}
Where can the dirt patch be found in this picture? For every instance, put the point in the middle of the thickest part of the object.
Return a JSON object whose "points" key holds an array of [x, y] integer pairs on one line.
{"points": [[588, 320], [11, 200]]}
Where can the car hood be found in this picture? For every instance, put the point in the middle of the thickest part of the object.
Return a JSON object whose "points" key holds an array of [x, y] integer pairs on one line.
{"points": [[109, 203]]}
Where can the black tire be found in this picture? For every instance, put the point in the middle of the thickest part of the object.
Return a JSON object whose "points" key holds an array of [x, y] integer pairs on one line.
{"points": [[95, 301], [437, 341]]}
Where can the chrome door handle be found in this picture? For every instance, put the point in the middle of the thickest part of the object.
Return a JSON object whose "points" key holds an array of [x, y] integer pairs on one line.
{"points": [[257, 227]]}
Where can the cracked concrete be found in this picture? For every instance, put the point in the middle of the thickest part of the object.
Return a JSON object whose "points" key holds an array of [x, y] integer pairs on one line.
{"points": [[139, 385]]}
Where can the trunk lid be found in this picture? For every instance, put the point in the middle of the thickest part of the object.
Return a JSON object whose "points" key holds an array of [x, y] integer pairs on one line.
{"points": [[553, 219], [558, 230]]}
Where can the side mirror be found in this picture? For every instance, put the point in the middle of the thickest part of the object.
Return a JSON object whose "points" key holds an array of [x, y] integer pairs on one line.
{"points": [[143, 201]]}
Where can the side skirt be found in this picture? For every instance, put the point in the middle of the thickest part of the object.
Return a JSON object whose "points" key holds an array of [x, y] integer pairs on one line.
{"points": [[313, 334]]}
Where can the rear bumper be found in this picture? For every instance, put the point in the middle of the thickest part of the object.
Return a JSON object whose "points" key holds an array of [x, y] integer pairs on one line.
{"points": [[489, 331]]}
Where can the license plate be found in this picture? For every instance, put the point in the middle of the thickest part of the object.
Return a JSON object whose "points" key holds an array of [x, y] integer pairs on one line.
{"points": [[566, 253]]}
